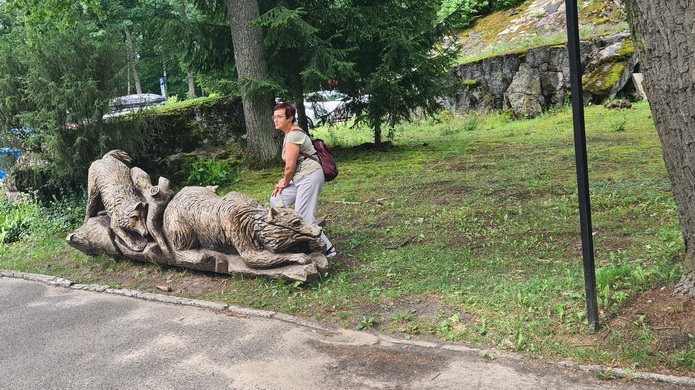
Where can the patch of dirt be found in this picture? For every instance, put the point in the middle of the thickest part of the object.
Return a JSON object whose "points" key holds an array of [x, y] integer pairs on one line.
{"points": [[443, 193], [429, 309], [667, 317], [611, 243], [518, 194], [667, 314], [167, 280], [384, 364]]}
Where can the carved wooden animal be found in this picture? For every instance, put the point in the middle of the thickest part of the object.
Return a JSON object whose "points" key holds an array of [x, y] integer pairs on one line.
{"points": [[264, 237], [111, 188]]}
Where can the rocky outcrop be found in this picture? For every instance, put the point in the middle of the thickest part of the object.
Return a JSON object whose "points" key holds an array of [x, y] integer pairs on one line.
{"points": [[528, 82], [534, 18]]}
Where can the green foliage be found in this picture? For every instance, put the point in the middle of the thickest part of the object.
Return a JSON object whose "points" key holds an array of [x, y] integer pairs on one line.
{"points": [[460, 13], [472, 123], [402, 65], [620, 126], [212, 172], [387, 57], [15, 220], [28, 218], [53, 97], [151, 25], [77, 91], [389, 50], [146, 136], [54, 82], [188, 39], [220, 82], [684, 359], [7, 161], [366, 322], [62, 213], [50, 15]]}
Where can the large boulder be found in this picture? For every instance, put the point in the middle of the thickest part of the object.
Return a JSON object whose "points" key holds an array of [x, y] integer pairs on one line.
{"points": [[528, 82], [524, 95], [610, 69]]}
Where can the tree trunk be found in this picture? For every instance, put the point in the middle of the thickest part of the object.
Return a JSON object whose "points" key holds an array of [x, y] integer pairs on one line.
{"points": [[164, 89], [250, 57], [133, 60], [189, 76], [664, 35], [191, 86], [297, 88]]}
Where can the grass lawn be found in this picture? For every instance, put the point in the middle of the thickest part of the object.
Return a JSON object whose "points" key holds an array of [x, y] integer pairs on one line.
{"points": [[467, 229]]}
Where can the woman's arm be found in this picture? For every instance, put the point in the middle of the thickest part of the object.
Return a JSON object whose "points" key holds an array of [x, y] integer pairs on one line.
{"points": [[291, 156]]}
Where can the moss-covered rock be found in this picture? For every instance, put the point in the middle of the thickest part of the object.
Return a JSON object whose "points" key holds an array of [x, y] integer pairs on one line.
{"points": [[149, 137], [600, 81], [609, 70], [607, 60], [534, 21]]}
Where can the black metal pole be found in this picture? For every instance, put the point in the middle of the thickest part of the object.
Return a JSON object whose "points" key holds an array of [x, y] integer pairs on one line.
{"points": [[581, 158]]}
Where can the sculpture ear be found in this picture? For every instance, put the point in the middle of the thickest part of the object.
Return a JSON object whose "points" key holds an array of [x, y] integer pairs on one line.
{"points": [[272, 213]]}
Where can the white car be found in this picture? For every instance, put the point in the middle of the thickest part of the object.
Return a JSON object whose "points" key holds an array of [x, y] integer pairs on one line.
{"points": [[324, 107], [129, 103]]}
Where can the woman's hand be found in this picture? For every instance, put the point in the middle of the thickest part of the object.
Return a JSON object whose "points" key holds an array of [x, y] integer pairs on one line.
{"points": [[279, 187]]}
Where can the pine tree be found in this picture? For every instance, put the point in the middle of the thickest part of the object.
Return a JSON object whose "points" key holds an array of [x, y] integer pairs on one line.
{"points": [[389, 57]]}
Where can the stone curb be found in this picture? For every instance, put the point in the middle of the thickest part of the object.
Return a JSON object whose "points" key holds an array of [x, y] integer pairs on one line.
{"points": [[247, 312], [216, 306], [627, 374]]}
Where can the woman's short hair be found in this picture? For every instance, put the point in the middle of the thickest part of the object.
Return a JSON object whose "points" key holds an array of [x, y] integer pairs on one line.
{"points": [[290, 111]]}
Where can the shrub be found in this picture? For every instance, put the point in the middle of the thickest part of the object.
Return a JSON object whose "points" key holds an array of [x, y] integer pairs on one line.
{"points": [[27, 217], [62, 161], [213, 172], [16, 219]]}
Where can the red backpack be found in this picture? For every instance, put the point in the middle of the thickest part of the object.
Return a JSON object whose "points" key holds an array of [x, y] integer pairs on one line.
{"points": [[330, 169]]}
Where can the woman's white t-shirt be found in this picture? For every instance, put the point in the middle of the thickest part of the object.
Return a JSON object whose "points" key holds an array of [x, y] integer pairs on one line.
{"points": [[305, 165]]}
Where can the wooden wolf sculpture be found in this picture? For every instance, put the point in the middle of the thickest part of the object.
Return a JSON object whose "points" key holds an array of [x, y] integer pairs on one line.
{"points": [[110, 188], [129, 216], [198, 218]]}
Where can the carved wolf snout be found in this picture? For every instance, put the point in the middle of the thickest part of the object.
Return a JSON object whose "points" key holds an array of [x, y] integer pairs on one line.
{"points": [[282, 223]]}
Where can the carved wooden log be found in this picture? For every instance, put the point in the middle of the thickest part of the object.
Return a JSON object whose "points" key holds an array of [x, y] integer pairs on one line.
{"points": [[210, 260], [95, 237], [157, 198]]}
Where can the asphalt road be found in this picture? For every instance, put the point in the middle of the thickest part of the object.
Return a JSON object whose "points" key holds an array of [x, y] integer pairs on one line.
{"points": [[65, 338]]}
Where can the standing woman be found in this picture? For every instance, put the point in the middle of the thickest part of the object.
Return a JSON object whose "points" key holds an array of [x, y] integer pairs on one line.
{"points": [[303, 180]]}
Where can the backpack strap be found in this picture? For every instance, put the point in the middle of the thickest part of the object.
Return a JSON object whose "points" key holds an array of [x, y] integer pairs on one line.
{"points": [[312, 141]]}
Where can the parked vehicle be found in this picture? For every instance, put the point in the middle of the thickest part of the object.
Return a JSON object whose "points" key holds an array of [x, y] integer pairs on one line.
{"points": [[323, 107], [8, 156], [327, 107], [130, 103]]}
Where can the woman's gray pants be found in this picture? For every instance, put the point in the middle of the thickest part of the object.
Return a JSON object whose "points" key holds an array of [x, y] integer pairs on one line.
{"points": [[304, 195]]}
